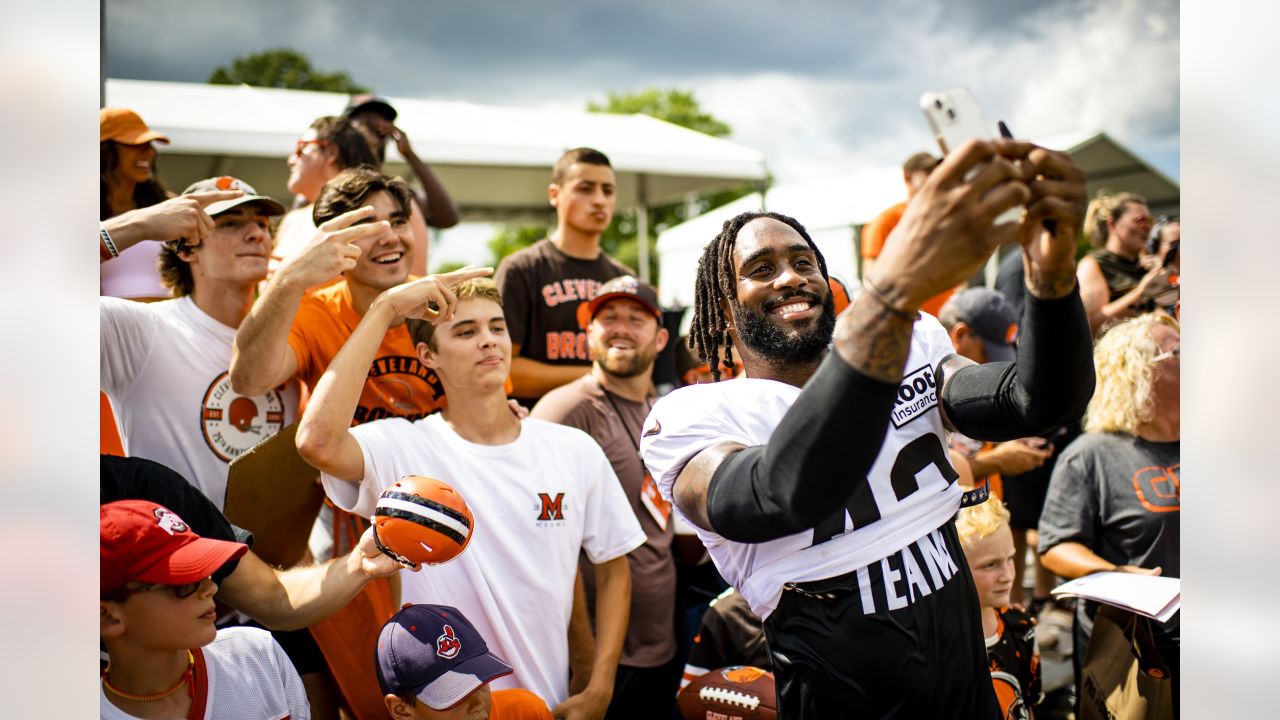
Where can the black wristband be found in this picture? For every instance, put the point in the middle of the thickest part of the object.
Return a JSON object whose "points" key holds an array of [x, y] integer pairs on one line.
{"points": [[1050, 385], [814, 461]]}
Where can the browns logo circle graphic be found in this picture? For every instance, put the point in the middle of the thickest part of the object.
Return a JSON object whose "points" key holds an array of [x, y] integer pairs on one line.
{"points": [[233, 423]]}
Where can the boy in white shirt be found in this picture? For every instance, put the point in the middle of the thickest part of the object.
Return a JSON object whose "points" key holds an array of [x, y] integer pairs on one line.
{"points": [[540, 492], [157, 613]]}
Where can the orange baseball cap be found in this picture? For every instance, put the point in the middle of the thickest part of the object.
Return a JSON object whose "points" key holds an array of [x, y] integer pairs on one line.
{"points": [[125, 126]]}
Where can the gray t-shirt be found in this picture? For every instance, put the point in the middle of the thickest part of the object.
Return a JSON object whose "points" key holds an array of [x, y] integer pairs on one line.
{"points": [[1120, 496]]}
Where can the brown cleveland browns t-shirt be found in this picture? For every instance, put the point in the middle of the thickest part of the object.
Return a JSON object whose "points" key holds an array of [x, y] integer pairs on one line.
{"points": [[614, 422], [541, 290]]}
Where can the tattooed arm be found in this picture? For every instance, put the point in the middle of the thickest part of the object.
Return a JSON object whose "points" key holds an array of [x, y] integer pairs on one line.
{"points": [[756, 494]]}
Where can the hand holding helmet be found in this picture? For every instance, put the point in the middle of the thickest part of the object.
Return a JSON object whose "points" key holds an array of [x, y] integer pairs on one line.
{"points": [[421, 520]]}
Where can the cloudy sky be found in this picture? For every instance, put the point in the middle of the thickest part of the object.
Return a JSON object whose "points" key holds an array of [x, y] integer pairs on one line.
{"points": [[823, 87]]}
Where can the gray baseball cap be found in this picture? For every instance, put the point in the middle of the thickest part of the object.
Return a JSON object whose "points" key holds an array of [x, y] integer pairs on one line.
{"points": [[226, 182], [992, 318]]}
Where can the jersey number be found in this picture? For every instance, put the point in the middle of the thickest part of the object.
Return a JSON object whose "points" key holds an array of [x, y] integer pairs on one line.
{"points": [[914, 457]]}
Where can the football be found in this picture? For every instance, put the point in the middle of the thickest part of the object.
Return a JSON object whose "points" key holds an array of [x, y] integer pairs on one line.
{"points": [[422, 521], [740, 692]]}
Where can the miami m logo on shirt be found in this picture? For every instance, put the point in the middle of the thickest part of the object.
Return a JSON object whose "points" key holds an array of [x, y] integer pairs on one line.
{"points": [[552, 508]]}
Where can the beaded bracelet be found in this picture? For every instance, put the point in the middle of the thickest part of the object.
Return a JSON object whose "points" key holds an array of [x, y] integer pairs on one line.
{"points": [[106, 240]]}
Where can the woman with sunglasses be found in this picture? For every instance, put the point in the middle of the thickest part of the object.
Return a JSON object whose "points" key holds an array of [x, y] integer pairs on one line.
{"points": [[1114, 284], [331, 145]]}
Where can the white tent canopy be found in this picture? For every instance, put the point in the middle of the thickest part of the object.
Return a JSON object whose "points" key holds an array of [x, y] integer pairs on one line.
{"points": [[833, 210], [495, 161]]}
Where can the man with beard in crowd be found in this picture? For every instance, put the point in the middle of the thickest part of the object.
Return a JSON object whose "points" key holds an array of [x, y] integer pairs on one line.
{"points": [[869, 609], [624, 328]]}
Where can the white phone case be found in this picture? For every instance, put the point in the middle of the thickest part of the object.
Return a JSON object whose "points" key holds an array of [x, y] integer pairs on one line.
{"points": [[954, 116]]}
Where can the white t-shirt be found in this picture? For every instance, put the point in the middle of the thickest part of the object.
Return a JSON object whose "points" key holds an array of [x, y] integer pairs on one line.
{"points": [[747, 410], [246, 675], [164, 365], [536, 502]]}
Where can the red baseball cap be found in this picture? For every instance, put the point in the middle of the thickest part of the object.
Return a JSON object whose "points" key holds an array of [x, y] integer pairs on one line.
{"points": [[624, 286], [146, 542]]}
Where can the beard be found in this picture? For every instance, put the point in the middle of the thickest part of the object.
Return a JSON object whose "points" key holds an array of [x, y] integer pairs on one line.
{"points": [[760, 334], [640, 362]]}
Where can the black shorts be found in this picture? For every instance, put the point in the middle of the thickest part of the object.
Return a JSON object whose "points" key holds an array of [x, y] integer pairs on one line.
{"points": [[852, 646]]}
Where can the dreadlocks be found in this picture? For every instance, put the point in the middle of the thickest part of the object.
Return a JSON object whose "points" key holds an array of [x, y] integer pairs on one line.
{"points": [[716, 289]]}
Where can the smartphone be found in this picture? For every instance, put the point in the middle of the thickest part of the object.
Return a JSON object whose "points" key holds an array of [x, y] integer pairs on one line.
{"points": [[954, 116]]}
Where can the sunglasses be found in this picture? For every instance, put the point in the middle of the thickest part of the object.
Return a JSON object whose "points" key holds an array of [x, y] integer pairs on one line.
{"points": [[302, 146], [1174, 352], [179, 591]]}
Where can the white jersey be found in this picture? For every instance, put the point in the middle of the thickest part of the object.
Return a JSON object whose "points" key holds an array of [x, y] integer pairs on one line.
{"points": [[243, 673], [536, 502], [910, 490], [164, 366]]}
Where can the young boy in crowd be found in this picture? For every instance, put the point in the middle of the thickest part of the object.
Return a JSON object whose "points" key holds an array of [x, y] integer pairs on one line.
{"points": [[542, 492], [1010, 633], [434, 665], [157, 612]]}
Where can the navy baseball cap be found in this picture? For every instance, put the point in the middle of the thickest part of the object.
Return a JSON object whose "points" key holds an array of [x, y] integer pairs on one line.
{"points": [[433, 653], [992, 318]]}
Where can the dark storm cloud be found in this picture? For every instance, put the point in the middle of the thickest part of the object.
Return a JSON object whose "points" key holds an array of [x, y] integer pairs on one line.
{"points": [[450, 47], [808, 78]]}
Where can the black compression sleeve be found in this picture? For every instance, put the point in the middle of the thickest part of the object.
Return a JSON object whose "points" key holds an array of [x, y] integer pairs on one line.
{"points": [[823, 447], [1050, 384]]}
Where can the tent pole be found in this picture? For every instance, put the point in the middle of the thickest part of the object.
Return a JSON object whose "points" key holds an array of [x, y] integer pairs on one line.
{"points": [[642, 231]]}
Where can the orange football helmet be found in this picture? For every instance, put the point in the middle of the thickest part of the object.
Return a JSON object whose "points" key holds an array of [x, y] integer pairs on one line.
{"points": [[421, 520]]}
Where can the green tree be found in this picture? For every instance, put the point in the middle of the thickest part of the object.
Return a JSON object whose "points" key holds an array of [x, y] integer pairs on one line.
{"points": [[678, 107], [514, 237], [283, 68]]}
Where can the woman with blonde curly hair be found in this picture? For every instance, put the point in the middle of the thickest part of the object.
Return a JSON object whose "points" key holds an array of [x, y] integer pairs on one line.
{"points": [[1114, 285], [1114, 498]]}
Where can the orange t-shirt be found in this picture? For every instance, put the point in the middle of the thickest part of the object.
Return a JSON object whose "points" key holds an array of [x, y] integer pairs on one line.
{"points": [[518, 704], [398, 384], [877, 231]]}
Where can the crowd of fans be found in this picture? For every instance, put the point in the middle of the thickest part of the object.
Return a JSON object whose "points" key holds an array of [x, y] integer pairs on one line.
{"points": [[585, 592]]}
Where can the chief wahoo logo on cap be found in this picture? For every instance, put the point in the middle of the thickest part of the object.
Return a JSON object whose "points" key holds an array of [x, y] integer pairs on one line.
{"points": [[448, 645]]}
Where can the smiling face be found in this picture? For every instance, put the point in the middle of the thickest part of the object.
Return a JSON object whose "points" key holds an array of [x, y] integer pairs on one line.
{"points": [[236, 251], [784, 308], [585, 198], [1131, 227], [625, 338], [991, 562], [136, 163], [472, 350], [384, 258]]}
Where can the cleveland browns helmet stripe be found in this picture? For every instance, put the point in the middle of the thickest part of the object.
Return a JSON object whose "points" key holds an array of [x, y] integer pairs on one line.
{"points": [[427, 503], [422, 520], [405, 511]]}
